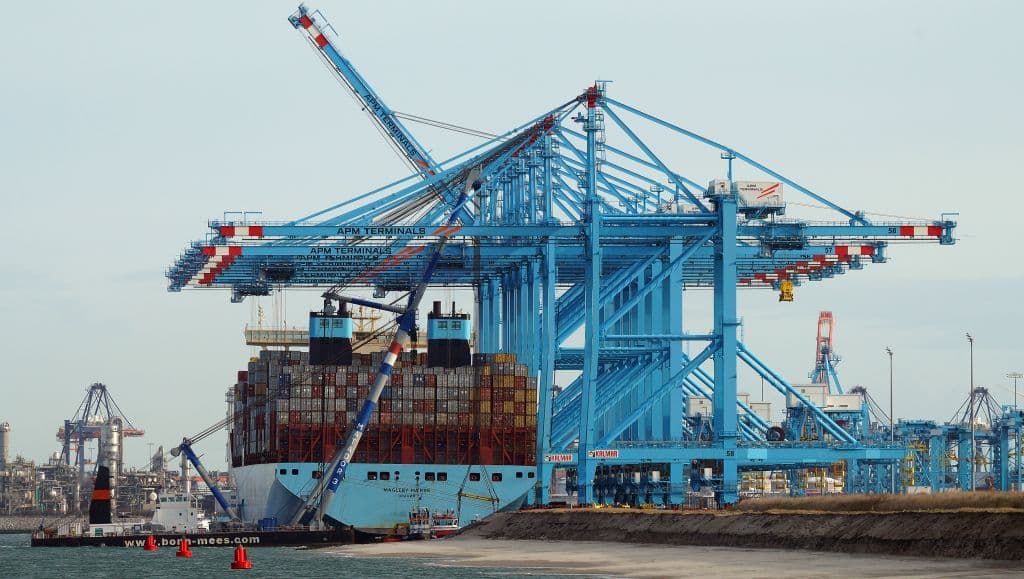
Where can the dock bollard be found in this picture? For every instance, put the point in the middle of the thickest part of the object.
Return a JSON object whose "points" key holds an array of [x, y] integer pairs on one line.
{"points": [[183, 550], [241, 560], [150, 544]]}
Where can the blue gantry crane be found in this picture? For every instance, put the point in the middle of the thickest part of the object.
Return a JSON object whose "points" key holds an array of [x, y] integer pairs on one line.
{"points": [[578, 220]]}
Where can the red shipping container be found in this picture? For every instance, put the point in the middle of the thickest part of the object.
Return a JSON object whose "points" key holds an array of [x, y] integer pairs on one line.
{"points": [[295, 417], [520, 381], [431, 379], [243, 375], [521, 408], [317, 392], [485, 393]]}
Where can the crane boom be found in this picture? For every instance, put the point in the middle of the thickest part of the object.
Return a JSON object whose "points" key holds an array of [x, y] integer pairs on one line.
{"points": [[323, 493], [186, 448], [314, 24]]}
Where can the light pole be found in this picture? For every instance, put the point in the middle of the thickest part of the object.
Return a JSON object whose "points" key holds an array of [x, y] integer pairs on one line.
{"points": [[1015, 376], [970, 399], [892, 430]]}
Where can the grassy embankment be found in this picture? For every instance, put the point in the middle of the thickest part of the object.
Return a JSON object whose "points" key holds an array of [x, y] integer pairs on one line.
{"points": [[941, 502]]}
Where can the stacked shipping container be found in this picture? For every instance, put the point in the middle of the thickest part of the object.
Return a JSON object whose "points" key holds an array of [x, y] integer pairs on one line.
{"points": [[287, 410]]}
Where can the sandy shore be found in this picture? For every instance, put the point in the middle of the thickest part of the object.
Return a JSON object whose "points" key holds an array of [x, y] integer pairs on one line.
{"points": [[633, 560]]}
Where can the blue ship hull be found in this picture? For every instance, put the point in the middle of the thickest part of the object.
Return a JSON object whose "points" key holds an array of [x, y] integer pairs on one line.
{"points": [[375, 497]]}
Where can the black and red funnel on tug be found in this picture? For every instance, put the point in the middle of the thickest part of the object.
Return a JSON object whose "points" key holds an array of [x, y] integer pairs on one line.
{"points": [[99, 507]]}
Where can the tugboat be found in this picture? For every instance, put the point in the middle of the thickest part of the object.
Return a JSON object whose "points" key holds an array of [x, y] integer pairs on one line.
{"points": [[444, 524], [178, 517], [419, 523]]}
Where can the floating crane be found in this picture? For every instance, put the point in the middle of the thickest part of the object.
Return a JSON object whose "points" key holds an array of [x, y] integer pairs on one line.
{"points": [[186, 448]]}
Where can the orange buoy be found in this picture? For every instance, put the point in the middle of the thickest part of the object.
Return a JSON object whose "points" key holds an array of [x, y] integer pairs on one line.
{"points": [[183, 550], [241, 560], [150, 544]]}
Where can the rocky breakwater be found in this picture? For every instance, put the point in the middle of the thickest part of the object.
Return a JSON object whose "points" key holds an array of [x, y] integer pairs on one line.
{"points": [[17, 524]]}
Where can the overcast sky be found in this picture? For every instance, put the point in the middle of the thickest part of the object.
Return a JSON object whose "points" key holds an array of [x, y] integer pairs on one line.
{"points": [[125, 126]]}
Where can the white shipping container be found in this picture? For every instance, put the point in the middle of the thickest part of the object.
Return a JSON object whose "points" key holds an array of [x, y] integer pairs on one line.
{"points": [[698, 405], [720, 186], [762, 409], [844, 403], [816, 393]]}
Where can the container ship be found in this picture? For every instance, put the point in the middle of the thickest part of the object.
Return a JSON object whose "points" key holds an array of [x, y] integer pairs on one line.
{"points": [[455, 432]]}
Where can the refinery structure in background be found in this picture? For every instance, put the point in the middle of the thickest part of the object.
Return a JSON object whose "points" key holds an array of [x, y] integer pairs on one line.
{"points": [[63, 484]]}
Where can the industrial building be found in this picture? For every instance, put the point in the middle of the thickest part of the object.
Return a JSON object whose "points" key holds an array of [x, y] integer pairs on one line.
{"points": [[61, 486]]}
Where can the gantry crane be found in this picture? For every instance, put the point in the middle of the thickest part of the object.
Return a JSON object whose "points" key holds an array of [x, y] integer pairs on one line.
{"points": [[96, 410], [825, 357], [569, 231]]}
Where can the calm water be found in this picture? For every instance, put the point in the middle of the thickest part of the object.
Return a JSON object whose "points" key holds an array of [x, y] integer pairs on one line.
{"points": [[17, 559]]}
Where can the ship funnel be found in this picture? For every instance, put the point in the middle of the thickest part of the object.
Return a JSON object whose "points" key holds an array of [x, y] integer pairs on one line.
{"points": [[448, 338], [330, 338], [99, 507]]}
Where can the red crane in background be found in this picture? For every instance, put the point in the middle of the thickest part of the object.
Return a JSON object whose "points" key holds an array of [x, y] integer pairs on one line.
{"points": [[825, 358]]}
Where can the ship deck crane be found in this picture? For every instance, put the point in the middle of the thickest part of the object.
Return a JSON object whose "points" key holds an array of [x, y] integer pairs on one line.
{"points": [[186, 448]]}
